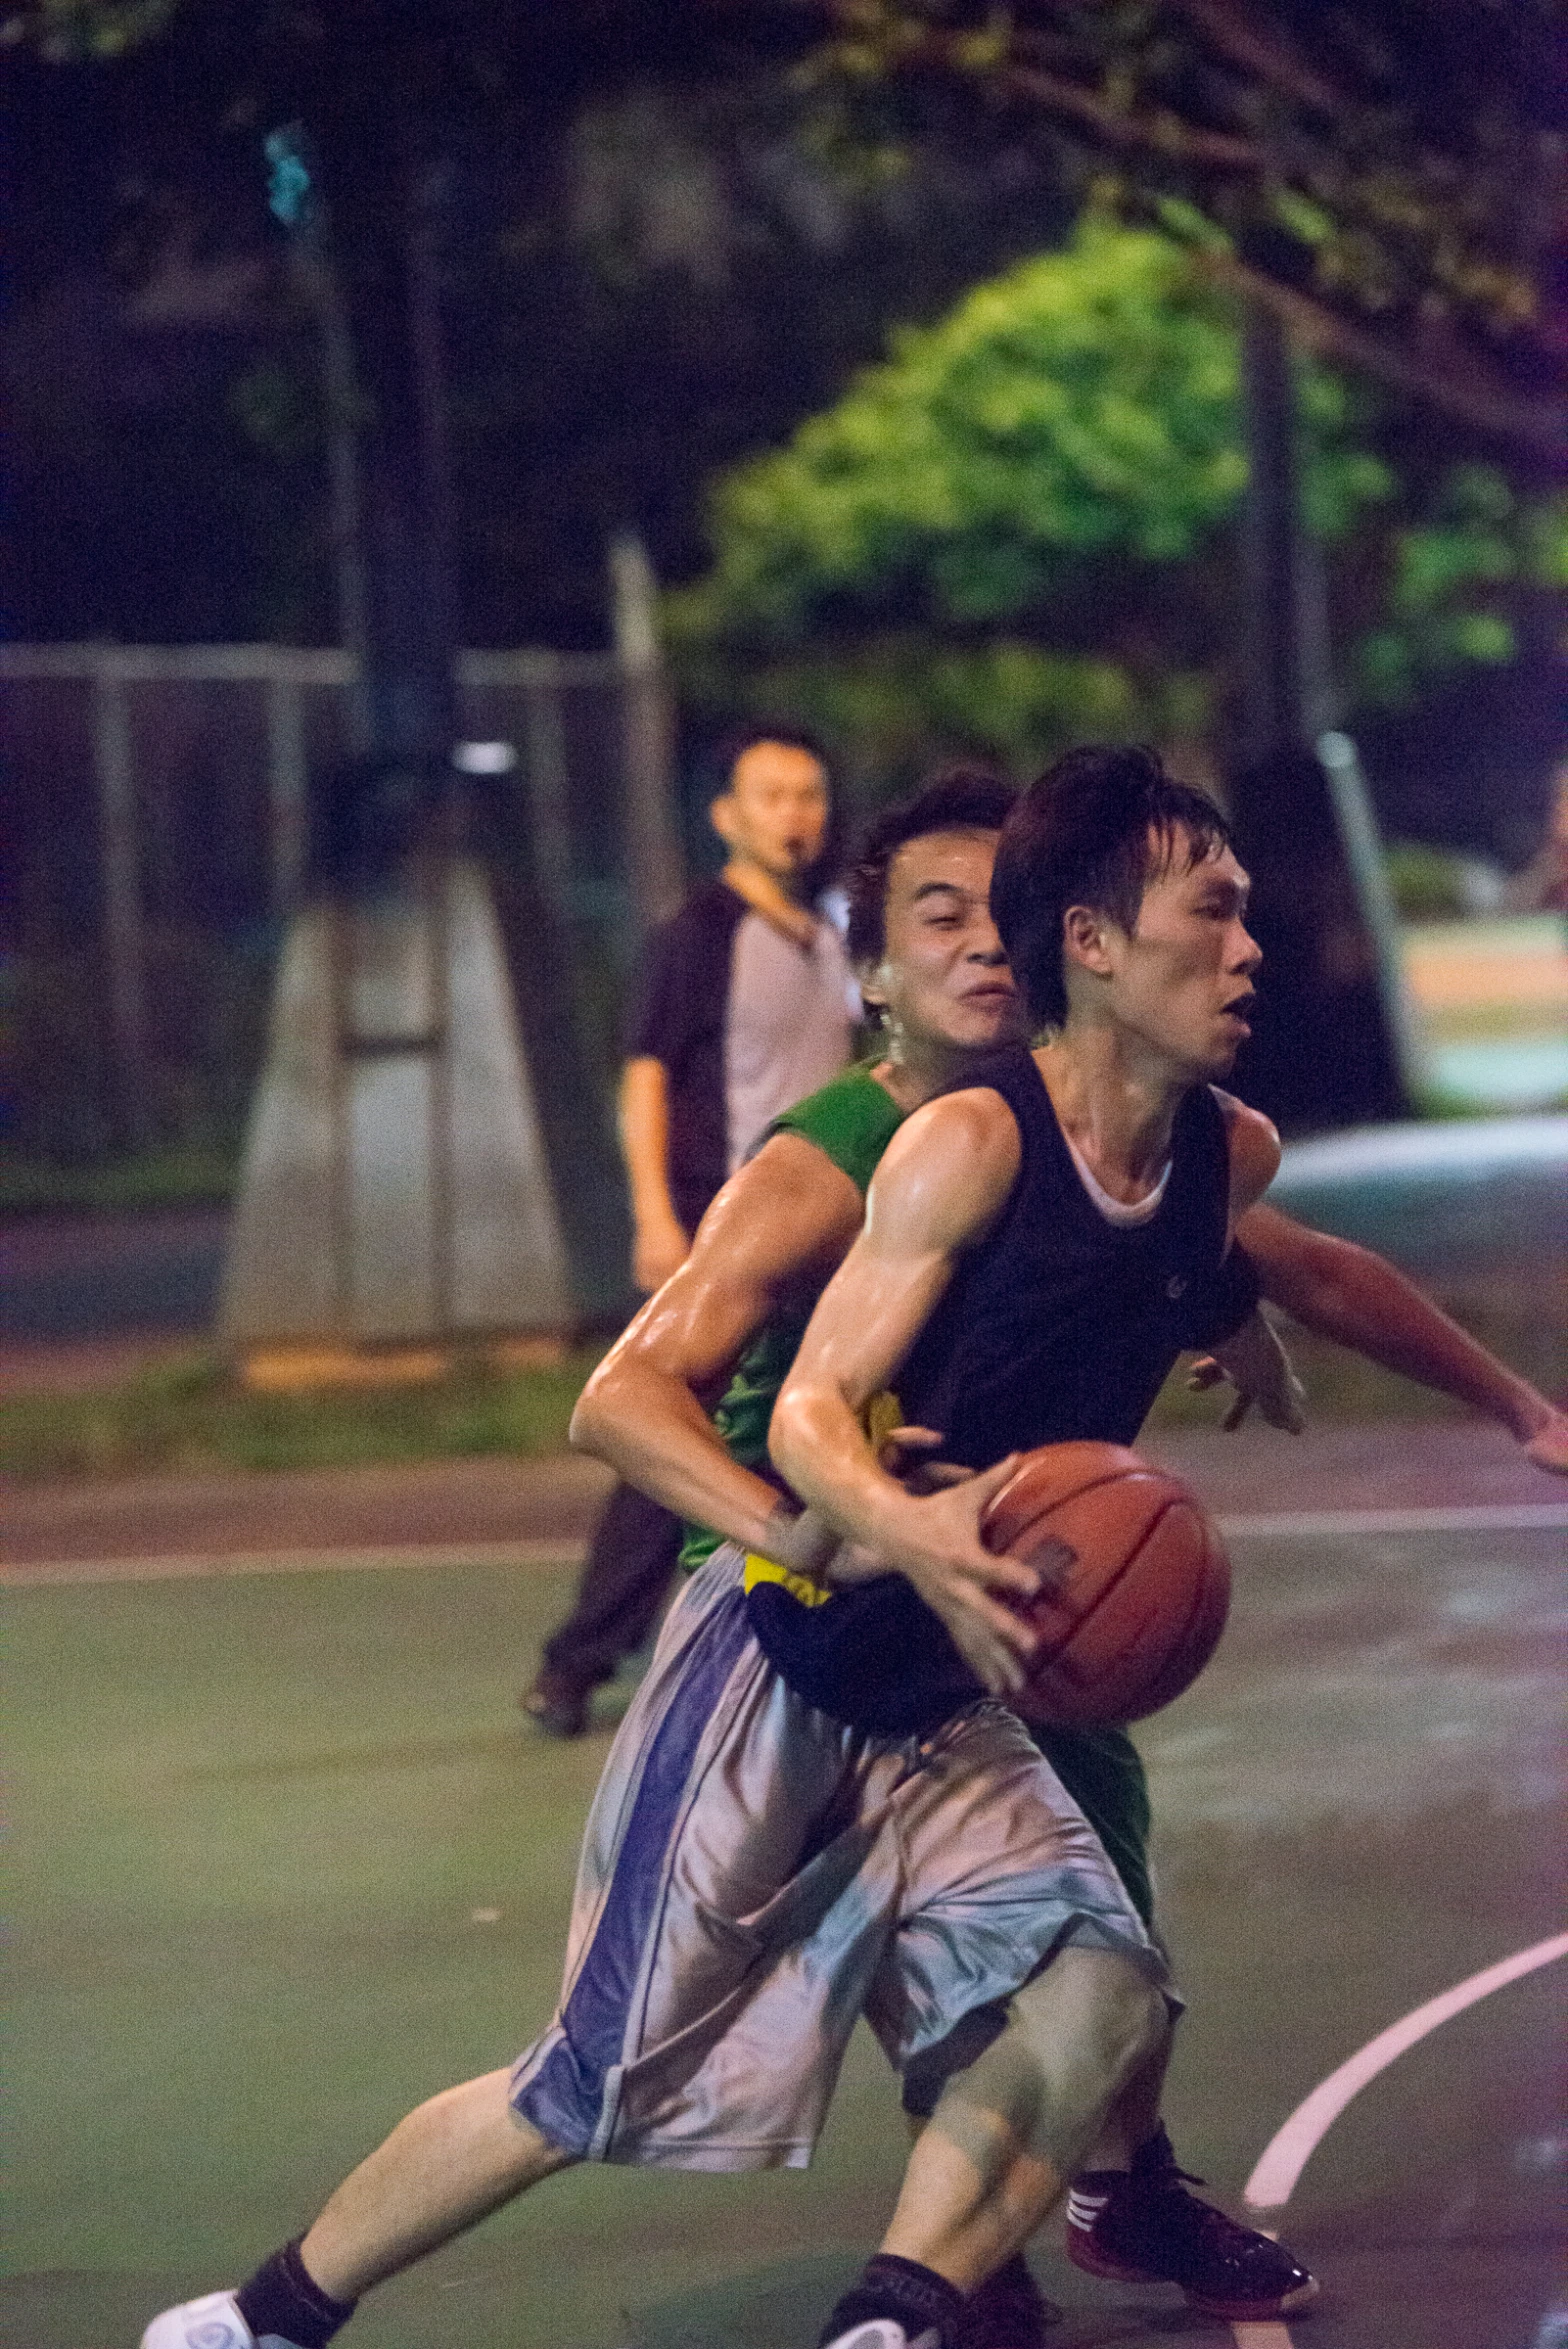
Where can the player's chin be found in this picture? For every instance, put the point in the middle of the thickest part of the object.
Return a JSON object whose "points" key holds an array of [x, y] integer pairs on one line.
{"points": [[1220, 1058], [993, 1020]]}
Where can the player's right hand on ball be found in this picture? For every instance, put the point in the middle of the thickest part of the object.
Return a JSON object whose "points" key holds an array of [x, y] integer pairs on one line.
{"points": [[966, 1585]]}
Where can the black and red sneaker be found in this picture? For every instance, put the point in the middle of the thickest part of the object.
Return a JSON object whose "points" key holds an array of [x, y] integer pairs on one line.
{"points": [[1009, 2310], [1141, 2226]]}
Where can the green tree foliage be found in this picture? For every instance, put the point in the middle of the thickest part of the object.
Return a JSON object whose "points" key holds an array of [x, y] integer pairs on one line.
{"points": [[1016, 530], [1387, 177]]}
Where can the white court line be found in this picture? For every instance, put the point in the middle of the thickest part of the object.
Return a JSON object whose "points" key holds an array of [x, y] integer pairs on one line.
{"points": [[203, 1565], [1286, 1525], [1269, 2187], [1479, 1517], [1292, 2146]]}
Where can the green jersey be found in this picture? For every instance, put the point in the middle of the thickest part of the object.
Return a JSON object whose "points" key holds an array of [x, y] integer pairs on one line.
{"points": [[851, 1121]]}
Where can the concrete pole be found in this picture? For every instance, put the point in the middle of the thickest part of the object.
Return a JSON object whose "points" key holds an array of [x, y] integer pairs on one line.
{"points": [[1330, 1047], [285, 789]]}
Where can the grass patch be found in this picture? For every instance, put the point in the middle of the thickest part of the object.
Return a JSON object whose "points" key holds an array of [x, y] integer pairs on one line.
{"points": [[173, 1177], [191, 1414]]}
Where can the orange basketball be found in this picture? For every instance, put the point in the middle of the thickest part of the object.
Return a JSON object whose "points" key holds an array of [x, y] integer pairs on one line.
{"points": [[1138, 1582]]}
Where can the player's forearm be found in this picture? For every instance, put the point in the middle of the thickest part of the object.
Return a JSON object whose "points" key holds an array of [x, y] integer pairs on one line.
{"points": [[1359, 1300], [819, 1447], [653, 1431], [644, 1125]]}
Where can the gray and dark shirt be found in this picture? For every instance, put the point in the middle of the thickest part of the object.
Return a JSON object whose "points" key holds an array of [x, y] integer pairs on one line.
{"points": [[745, 1022]]}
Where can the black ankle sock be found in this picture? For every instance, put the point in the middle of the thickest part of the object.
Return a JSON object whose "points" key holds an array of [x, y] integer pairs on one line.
{"points": [[1014, 2275], [1155, 2156], [283, 2297], [913, 2296]]}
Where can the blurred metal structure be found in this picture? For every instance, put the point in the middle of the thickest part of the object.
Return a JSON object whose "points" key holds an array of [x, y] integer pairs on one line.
{"points": [[652, 840]]}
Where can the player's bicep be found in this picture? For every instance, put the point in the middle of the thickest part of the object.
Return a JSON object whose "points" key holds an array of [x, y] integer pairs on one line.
{"points": [[784, 1218], [936, 1190], [1297, 1267], [1254, 1147], [866, 1320]]}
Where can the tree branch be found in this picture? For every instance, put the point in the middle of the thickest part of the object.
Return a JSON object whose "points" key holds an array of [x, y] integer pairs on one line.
{"points": [[1267, 53], [1162, 134], [1456, 385]]}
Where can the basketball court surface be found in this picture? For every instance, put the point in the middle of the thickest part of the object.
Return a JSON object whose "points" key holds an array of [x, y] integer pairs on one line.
{"points": [[287, 1863]]}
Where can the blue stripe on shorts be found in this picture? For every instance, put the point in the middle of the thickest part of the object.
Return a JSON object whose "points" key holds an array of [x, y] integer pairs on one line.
{"points": [[565, 2097]]}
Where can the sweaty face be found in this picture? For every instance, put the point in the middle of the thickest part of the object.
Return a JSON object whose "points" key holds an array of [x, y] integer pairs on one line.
{"points": [[775, 812], [943, 977], [1182, 983]]}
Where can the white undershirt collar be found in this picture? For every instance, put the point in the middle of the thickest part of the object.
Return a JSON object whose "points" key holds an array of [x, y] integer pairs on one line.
{"points": [[1119, 1211]]}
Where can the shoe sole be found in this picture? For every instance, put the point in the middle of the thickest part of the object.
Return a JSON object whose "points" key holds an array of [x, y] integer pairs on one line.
{"points": [[1094, 2262]]}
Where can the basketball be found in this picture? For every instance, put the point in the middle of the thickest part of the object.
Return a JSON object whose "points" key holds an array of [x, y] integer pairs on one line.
{"points": [[1138, 1582]]}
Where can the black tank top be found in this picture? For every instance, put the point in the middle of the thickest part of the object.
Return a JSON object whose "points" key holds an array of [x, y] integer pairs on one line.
{"points": [[1058, 1324], [1061, 1324]]}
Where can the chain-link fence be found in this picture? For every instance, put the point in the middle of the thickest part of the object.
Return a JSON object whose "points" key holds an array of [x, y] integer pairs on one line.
{"points": [[157, 821]]}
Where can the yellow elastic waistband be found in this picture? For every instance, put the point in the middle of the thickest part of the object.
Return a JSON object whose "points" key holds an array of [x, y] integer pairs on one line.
{"points": [[799, 1586]]}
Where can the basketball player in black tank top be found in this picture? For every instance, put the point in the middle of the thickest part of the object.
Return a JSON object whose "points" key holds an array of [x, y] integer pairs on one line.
{"points": [[1040, 1247], [1041, 1243]]}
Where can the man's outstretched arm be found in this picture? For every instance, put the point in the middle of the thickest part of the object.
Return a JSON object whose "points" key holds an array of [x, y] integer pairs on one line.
{"points": [[1359, 1300], [944, 1176], [784, 1220]]}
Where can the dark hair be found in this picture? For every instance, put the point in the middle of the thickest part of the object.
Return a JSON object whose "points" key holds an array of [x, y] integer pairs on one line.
{"points": [[1092, 830], [731, 748], [955, 799]]}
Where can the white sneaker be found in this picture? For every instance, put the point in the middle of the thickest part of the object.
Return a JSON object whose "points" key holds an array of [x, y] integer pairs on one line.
{"points": [[212, 2323], [878, 2332]]}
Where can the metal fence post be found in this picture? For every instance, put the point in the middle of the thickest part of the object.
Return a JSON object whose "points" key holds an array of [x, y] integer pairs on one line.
{"points": [[653, 855], [123, 932], [285, 787]]}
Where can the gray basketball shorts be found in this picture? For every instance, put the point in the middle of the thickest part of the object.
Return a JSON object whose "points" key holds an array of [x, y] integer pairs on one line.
{"points": [[755, 1875]]}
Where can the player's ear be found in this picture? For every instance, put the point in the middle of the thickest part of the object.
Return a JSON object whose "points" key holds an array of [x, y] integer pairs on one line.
{"points": [[870, 978], [1083, 939], [721, 815]]}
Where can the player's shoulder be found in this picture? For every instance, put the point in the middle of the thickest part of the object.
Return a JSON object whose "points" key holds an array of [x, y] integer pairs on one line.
{"points": [[961, 1148], [1253, 1143], [788, 1204], [711, 909], [851, 1120]]}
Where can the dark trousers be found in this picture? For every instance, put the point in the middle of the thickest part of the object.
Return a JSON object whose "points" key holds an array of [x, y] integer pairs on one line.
{"points": [[627, 1573]]}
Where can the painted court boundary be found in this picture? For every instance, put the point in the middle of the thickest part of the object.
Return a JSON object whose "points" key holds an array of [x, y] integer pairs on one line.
{"points": [[206, 1564], [1293, 2144], [1275, 2174], [1288, 1525]]}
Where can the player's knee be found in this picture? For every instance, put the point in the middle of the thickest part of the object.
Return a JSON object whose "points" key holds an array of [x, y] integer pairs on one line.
{"points": [[1131, 2019], [1100, 2006]]}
